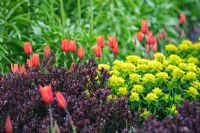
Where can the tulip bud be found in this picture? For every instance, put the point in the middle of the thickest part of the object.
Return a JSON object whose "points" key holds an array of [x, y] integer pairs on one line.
{"points": [[27, 48], [144, 26], [65, 44], [8, 127], [139, 36], [36, 60], [112, 41], [97, 51], [115, 50], [29, 63], [14, 68], [182, 18], [47, 51], [62, 103], [22, 70], [100, 41], [81, 52], [46, 93], [72, 47]]}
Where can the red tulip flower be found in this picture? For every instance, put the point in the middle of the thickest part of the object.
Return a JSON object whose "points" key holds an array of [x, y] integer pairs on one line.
{"points": [[36, 60], [65, 44], [22, 70], [97, 51], [72, 47], [29, 63], [144, 26], [62, 103], [182, 18], [27, 48], [81, 52], [14, 68], [115, 50], [139, 36], [112, 41], [46, 93], [8, 126], [47, 51], [150, 40], [100, 41]]}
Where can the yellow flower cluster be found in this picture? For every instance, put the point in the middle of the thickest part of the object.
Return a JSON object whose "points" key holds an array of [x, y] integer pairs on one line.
{"points": [[151, 97], [105, 66], [171, 48], [170, 79], [148, 78], [138, 88], [134, 97], [192, 92], [116, 81]]}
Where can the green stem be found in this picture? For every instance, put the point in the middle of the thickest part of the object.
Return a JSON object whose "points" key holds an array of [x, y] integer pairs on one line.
{"points": [[71, 121], [62, 13], [79, 11], [51, 117], [52, 12], [91, 15], [65, 59]]}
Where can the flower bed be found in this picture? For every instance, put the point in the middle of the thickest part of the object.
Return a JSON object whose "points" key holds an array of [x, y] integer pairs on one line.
{"points": [[86, 100], [156, 85]]}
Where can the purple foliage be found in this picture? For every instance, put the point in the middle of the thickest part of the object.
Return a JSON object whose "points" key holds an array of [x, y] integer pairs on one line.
{"points": [[187, 121], [90, 111]]}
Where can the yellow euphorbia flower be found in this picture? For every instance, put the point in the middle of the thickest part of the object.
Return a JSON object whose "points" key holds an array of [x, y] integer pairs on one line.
{"points": [[135, 78], [173, 110], [148, 78], [171, 48], [157, 91], [146, 113], [134, 96], [162, 76], [189, 76], [105, 66], [193, 60], [133, 59], [151, 97], [155, 65], [114, 72], [174, 59], [138, 88], [196, 84], [159, 57], [116, 81], [177, 73], [192, 92], [122, 91]]}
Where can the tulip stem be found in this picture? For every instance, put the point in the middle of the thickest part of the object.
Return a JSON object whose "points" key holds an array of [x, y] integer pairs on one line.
{"points": [[91, 15], [65, 59], [71, 121], [51, 117], [79, 11]]}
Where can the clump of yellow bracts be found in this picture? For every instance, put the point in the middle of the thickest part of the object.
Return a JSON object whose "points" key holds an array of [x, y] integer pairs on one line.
{"points": [[158, 84]]}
